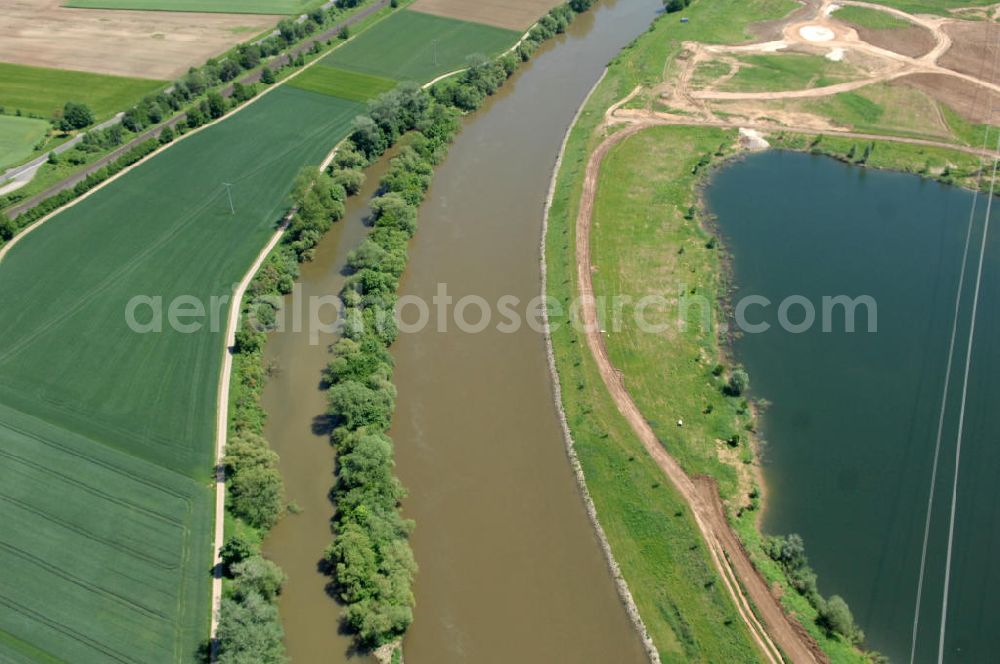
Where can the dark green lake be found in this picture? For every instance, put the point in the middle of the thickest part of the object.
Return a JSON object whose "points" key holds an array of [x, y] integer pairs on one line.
{"points": [[852, 419]]}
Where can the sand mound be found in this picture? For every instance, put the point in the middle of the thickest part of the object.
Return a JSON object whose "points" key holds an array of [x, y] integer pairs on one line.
{"points": [[816, 33]]}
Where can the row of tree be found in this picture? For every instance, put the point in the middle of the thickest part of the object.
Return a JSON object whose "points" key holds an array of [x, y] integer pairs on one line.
{"points": [[370, 558], [250, 628], [833, 613], [249, 625]]}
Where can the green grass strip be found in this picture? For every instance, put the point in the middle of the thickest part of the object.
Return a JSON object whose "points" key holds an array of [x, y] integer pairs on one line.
{"points": [[871, 18], [349, 85]]}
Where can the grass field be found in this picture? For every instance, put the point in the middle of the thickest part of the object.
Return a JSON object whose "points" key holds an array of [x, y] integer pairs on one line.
{"points": [[886, 109], [789, 71], [107, 436], [213, 6], [342, 83], [870, 18], [43, 92], [18, 137], [410, 46]]}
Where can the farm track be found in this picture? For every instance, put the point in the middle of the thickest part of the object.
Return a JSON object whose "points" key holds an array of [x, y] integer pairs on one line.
{"points": [[777, 634]]}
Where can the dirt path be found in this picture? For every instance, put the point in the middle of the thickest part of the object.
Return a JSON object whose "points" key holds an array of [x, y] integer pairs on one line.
{"points": [[222, 421], [774, 632]]}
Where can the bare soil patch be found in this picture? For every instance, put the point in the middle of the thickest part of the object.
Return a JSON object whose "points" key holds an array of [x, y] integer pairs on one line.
{"points": [[973, 49], [971, 101], [773, 30], [159, 45], [512, 14], [913, 41]]}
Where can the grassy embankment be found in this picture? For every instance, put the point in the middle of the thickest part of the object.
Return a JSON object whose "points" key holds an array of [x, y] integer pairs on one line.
{"points": [[645, 238], [940, 164]]}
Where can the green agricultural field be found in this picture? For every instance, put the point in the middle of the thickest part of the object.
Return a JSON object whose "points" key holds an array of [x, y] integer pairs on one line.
{"points": [[214, 6], [105, 554], [18, 137], [43, 92], [417, 47], [107, 438], [342, 83]]}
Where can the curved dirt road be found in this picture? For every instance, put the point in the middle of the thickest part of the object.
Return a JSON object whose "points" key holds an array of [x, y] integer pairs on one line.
{"points": [[778, 634]]}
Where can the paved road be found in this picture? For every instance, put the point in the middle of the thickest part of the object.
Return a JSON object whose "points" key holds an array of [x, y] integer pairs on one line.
{"points": [[18, 176], [252, 77]]}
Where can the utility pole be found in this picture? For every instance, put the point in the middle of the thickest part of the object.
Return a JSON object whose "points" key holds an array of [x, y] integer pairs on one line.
{"points": [[229, 192], [435, 42]]}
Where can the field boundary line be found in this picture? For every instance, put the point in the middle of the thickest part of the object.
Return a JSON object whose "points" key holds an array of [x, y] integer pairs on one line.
{"points": [[222, 423]]}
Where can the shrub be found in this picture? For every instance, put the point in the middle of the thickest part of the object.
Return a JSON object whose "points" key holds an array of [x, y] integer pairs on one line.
{"points": [[234, 550], [257, 574], [739, 382], [255, 486], [836, 617], [250, 632], [166, 135], [76, 116]]}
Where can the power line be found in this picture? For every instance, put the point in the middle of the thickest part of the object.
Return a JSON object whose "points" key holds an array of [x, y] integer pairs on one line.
{"points": [[961, 412], [944, 404], [951, 351]]}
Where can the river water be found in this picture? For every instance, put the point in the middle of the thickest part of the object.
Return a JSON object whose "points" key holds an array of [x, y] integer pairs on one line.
{"points": [[851, 429], [510, 569]]}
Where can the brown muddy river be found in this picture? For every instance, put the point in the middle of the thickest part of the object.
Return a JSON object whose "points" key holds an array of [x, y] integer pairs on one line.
{"points": [[510, 569]]}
